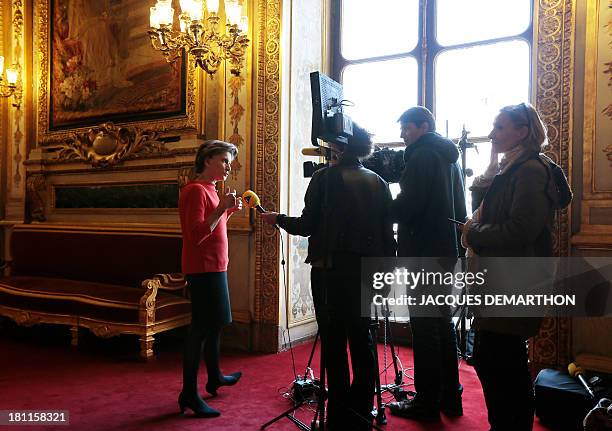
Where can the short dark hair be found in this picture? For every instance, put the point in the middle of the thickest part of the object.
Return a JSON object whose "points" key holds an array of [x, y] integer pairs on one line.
{"points": [[210, 149], [360, 144], [418, 115]]}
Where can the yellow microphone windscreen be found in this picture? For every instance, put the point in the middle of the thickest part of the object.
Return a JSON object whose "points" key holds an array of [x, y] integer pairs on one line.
{"points": [[250, 198], [574, 370]]}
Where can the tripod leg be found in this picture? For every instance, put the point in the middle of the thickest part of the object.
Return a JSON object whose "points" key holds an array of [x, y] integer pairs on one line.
{"points": [[381, 417], [399, 376], [282, 415], [312, 352]]}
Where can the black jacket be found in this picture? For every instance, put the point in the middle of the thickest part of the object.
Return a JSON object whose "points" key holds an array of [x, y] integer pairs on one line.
{"points": [[431, 192], [518, 211], [517, 221], [346, 213]]}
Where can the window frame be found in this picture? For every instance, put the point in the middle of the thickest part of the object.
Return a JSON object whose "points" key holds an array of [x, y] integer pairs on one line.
{"points": [[425, 52]]}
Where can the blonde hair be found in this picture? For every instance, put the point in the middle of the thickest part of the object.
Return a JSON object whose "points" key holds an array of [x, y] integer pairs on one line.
{"points": [[210, 149], [525, 115]]}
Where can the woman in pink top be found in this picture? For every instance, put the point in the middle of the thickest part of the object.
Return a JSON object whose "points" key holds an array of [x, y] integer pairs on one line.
{"points": [[204, 214]]}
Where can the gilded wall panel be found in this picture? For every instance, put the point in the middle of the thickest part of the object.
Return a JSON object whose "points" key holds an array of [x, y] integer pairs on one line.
{"points": [[554, 69], [267, 143], [237, 124], [597, 166], [305, 58], [16, 121]]}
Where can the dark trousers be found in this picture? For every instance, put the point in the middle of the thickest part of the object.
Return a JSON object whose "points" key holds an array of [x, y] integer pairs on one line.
{"points": [[336, 295], [501, 363], [210, 311], [436, 372]]}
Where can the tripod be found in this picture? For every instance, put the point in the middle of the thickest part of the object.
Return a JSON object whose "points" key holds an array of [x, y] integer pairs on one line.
{"points": [[396, 388], [318, 421], [303, 399], [461, 325]]}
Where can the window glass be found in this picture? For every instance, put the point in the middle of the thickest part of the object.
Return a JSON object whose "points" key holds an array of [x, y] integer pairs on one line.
{"points": [[473, 20], [381, 91], [472, 84], [370, 30]]}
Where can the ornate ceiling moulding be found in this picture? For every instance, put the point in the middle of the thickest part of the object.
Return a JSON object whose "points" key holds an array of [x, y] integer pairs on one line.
{"points": [[108, 145]]}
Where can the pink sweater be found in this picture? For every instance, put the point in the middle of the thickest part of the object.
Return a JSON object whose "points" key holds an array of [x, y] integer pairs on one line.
{"points": [[203, 250]]}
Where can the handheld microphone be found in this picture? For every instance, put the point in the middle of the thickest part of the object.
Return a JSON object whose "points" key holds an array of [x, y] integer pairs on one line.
{"points": [[252, 201], [578, 372]]}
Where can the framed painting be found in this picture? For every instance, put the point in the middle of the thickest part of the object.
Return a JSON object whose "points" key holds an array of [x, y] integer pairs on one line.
{"points": [[96, 64]]}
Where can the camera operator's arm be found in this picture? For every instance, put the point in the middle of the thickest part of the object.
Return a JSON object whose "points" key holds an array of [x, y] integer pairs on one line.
{"points": [[306, 224], [415, 183]]}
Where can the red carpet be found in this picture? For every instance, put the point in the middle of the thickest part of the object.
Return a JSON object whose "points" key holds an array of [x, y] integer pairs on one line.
{"points": [[104, 387]]}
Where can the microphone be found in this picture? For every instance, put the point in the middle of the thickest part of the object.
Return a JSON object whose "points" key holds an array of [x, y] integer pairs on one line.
{"points": [[578, 372], [252, 201], [313, 151]]}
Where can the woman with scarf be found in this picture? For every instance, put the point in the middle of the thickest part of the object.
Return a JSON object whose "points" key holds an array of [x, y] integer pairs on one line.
{"points": [[514, 218]]}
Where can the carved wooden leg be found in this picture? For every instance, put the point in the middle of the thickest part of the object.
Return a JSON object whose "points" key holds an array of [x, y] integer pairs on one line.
{"points": [[74, 331], [146, 346]]}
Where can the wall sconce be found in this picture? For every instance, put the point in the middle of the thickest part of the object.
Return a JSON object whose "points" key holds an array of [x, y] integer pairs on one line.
{"points": [[9, 87], [198, 34]]}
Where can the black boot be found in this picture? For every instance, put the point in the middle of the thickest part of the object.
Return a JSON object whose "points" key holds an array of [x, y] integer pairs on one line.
{"points": [[231, 380], [197, 405]]}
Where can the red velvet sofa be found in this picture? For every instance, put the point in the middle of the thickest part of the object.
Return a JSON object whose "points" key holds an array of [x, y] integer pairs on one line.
{"points": [[110, 282]]}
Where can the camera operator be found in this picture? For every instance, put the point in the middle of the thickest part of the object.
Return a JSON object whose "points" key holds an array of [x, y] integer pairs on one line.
{"points": [[431, 192], [346, 217]]}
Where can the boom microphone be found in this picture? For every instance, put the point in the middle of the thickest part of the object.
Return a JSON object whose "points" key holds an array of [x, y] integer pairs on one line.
{"points": [[313, 151], [577, 372]]}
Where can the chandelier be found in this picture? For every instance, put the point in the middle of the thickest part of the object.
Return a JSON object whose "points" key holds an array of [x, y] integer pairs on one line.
{"points": [[10, 87], [198, 33]]}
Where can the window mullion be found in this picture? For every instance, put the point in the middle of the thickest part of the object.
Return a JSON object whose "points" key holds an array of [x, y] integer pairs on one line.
{"points": [[429, 49]]}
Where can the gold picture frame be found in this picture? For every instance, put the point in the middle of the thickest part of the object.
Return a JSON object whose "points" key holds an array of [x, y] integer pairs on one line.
{"points": [[51, 131]]}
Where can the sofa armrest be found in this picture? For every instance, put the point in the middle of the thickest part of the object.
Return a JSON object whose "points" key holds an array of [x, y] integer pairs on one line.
{"points": [[171, 282], [5, 267]]}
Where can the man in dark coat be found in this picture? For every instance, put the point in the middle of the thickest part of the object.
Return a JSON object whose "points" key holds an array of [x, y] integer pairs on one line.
{"points": [[431, 192], [345, 217]]}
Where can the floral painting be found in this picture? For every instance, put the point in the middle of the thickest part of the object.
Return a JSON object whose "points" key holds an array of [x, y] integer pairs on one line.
{"points": [[103, 67]]}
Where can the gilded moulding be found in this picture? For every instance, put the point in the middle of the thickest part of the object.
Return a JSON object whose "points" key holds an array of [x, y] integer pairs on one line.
{"points": [[18, 59], [108, 145], [35, 197], [267, 160], [554, 69]]}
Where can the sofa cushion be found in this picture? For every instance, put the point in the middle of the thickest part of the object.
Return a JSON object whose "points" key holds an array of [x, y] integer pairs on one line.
{"points": [[85, 299]]}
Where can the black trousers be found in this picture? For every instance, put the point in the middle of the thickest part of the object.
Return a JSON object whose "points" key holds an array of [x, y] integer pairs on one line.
{"points": [[501, 363], [210, 311], [436, 369], [336, 295]]}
